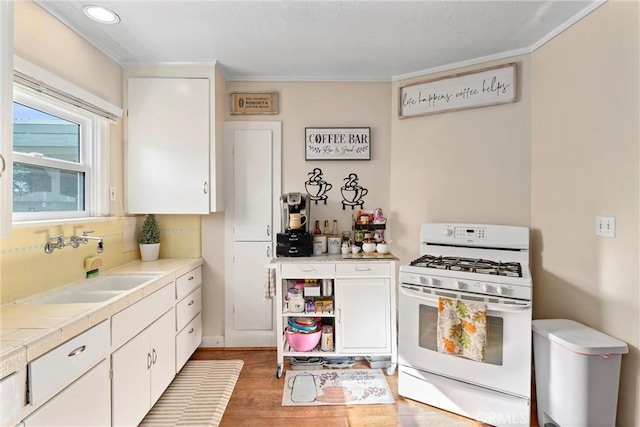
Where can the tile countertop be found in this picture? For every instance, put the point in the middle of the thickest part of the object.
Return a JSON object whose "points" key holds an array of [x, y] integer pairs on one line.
{"points": [[27, 331], [360, 256]]}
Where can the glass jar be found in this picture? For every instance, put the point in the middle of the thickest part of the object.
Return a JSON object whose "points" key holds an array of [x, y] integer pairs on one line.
{"points": [[326, 343], [295, 301]]}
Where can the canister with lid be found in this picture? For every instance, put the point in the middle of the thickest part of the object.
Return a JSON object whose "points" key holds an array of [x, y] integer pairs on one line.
{"points": [[296, 301], [326, 341]]}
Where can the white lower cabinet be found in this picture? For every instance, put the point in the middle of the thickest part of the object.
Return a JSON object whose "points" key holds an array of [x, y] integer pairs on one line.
{"points": [[86, 402], [142, 370], [363, 300], [187, 340], [188, 318], [114, 372], [13, 396], [363, 316], [56, 369]]}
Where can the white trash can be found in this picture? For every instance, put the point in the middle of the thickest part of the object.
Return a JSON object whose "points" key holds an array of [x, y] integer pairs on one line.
{"points": [[577, 372]]}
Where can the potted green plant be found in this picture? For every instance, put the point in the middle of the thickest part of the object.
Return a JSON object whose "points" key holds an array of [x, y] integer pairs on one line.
{"points": [[149, 239]]}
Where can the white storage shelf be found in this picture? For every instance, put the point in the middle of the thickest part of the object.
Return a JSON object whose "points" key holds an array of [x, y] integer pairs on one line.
{"points": [[349, 278]]}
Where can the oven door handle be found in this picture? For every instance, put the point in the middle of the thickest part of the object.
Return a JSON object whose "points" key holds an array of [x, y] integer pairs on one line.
{"points": [[505, 308]]}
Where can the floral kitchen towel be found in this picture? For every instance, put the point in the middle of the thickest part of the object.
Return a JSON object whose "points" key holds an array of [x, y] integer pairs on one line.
{"points": [[462, 328]]}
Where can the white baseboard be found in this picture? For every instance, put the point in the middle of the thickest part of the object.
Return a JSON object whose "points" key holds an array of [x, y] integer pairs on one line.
{"points": [[212, 341]]}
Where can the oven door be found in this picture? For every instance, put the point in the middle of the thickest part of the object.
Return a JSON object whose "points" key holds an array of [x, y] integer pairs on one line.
{"points": [[507, 364]]}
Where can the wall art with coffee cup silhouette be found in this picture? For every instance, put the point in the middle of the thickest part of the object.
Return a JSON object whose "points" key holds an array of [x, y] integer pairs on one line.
{"points": [[316, 187], [352, 192]]}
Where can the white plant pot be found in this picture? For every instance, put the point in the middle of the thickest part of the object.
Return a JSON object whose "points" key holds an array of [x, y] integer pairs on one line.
{"points": [[149, 252]]}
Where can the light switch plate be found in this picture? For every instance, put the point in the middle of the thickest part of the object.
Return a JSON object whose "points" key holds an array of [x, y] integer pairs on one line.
{"points": [[606, 226]]}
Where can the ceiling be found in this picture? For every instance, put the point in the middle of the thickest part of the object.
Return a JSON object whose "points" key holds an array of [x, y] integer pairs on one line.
{"points": [[321, 40]]}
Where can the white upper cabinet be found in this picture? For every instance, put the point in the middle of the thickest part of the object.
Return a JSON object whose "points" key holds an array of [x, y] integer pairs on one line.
{"points": [[168, 146]]}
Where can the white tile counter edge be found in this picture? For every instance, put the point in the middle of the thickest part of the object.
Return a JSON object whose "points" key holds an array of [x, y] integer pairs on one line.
{"points": [[338, 258], [77, 318]]}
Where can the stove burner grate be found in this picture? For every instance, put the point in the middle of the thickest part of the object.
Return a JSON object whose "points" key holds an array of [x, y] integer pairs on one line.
{"points": [[473, 265]]}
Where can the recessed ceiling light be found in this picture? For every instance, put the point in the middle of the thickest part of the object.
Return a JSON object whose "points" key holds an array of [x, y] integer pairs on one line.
{"points": [[101, 14]]}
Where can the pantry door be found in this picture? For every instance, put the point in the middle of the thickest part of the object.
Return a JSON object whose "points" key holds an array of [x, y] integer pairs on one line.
{"points": [[252, 197]]}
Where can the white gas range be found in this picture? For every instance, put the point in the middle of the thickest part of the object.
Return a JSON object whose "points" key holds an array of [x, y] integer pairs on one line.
{"points": [[477, 263]]}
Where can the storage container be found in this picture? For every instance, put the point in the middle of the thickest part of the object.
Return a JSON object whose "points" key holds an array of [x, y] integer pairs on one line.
{"points": [[577, 371]]}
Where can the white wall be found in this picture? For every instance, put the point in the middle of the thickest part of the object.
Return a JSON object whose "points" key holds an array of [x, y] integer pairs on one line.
{"points": [[307, 104], [585, 162], [465, 166]]}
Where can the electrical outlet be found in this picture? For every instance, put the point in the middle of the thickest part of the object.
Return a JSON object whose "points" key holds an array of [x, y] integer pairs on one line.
{"points": [[112, 194], [606, 226]]}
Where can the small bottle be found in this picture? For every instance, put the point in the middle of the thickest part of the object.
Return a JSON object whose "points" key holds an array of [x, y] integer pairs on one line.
{"points": [[326, 231], [334, 229], [316, 230]]}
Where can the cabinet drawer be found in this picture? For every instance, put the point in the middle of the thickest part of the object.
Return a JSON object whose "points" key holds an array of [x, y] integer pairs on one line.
{"points": [[188, 282], [13, 396], [363, 269], [129, 322], [188, 308], [62, 365], [187, 341], [308, 270], [86, 402]]}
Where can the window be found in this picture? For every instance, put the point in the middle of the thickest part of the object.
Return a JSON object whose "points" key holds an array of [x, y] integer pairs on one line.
{"points": [[60, 159]]}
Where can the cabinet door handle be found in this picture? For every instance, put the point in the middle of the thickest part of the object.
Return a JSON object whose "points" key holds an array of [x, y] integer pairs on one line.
{"points": [[148, 360], [307, 270], [360, 268], [4, 165], [339, 315], [190, 278], [155, 356], [190, 302], [268, 251], [77, 351], [268, 230], [191, 330], [205, 187]]}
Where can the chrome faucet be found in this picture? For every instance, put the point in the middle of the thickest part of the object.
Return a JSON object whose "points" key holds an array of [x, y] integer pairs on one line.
{"points": [[84, 239], [57, 242]]}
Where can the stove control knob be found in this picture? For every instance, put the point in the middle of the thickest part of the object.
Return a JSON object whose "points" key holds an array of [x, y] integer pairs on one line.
{"points": [[459, 285], [424, 280], [448, 231], [435, 282], [486, 288], [500, 290]]}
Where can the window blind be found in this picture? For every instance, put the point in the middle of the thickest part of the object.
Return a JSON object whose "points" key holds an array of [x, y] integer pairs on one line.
{"points": [[44, 88]]}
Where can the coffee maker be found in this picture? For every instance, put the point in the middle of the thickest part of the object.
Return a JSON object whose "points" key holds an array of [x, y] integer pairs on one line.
{"points": [[294, 241]]}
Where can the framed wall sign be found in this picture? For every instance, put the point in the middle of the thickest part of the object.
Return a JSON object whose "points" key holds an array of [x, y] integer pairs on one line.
{"points": [[254, 103], [490, 86], [337, 143]]}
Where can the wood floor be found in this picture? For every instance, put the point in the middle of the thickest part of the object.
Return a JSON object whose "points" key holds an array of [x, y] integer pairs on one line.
{"points": [[257, 397]]}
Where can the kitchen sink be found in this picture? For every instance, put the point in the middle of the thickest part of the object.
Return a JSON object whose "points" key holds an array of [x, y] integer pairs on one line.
{"points": [[96, 290], [116, 282], [77, 297]]}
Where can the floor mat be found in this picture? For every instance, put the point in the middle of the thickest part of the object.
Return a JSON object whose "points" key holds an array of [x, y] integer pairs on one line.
{"points": [[197, 396], [336, 387]]}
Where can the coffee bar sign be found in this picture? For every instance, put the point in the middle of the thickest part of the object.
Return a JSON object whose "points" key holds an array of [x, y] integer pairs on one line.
{"points": [[490, 86], [337, 144]]}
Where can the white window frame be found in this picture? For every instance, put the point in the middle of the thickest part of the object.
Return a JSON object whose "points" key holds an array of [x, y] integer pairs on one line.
{"points": [[94, 156]]}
